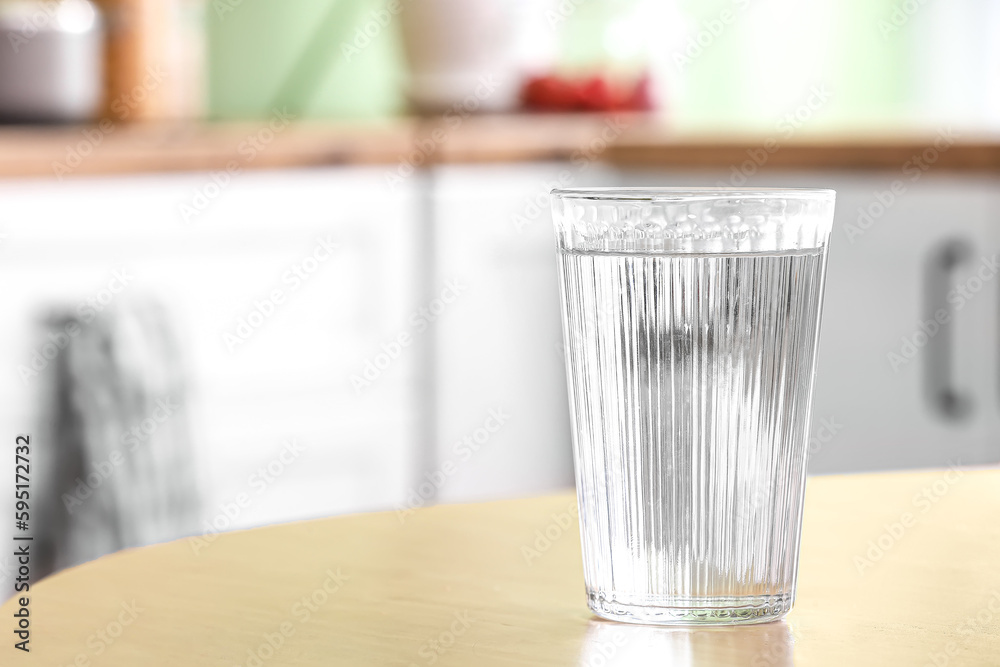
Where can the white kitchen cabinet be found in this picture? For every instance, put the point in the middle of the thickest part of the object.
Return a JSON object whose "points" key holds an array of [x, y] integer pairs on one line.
{"points": [[873, 411], [909, 393], [499, 344], [437, 316], [290, 379]]}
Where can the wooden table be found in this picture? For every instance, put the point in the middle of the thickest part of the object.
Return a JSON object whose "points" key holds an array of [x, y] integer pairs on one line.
{"points": [[897, 569]]}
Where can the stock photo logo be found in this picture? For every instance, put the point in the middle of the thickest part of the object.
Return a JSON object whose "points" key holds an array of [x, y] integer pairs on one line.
{"points": [[265, 307], [122, 108], [248, 149], [419, 322], [784, 129], [102, 470], [301, 612], [913, 170], [86, 311], [536, 206], [561, 524], [462, 451], [707, 33], [259, 481], [957, 298], [425, 147], [922, 503]]}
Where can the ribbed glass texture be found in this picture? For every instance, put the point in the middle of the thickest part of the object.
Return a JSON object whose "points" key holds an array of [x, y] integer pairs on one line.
{"points": [[690, 379]]}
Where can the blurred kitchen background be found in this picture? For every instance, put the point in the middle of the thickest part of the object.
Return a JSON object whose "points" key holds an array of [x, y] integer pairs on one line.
{"points": [[267, 261]]}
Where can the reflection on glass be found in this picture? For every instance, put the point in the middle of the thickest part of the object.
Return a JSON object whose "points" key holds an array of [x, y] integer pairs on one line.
{"points": [[617, 644]]}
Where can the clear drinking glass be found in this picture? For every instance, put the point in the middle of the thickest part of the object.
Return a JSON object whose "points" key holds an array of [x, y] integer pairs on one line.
{"points": [[691, 320]]}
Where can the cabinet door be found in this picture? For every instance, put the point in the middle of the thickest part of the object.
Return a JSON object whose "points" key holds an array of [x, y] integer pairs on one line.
{"points": [[892, 390], [336, 245], [499, 344], [907, 363]]}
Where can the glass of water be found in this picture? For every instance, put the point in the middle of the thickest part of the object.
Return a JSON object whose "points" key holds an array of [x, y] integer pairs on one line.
{"points": [[691, 320]]}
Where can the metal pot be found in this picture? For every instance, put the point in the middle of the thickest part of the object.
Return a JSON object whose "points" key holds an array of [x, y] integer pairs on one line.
{"points": [[51, 60]]}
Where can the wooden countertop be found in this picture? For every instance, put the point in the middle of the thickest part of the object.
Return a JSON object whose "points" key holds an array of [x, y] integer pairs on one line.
{"points": [[475, 585], [624, 139]]}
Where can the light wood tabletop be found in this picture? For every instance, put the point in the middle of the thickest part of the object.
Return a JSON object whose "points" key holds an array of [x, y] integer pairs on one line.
{"points": [[896, 569]]}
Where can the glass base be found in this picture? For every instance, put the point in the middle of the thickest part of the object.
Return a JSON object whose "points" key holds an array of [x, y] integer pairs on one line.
{"points": [[695, 611]]}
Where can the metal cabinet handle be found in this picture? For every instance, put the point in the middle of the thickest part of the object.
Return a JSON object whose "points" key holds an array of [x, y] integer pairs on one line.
{"points": [[946, 398]]}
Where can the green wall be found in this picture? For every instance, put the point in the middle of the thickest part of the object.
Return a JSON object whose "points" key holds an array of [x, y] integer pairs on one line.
{"points": [[290, 53]]}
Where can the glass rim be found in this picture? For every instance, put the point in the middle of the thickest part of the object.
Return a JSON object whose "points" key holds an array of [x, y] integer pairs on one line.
{"points": [[671, 193]]}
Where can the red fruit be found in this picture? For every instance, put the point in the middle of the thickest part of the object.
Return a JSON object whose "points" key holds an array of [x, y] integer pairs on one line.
{"points": [[549, 93], [596, 95], [641, 98]]}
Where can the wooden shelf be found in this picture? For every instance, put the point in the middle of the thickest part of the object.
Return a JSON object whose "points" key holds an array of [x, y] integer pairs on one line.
{"points": [[622, 139], [135, 148]]}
